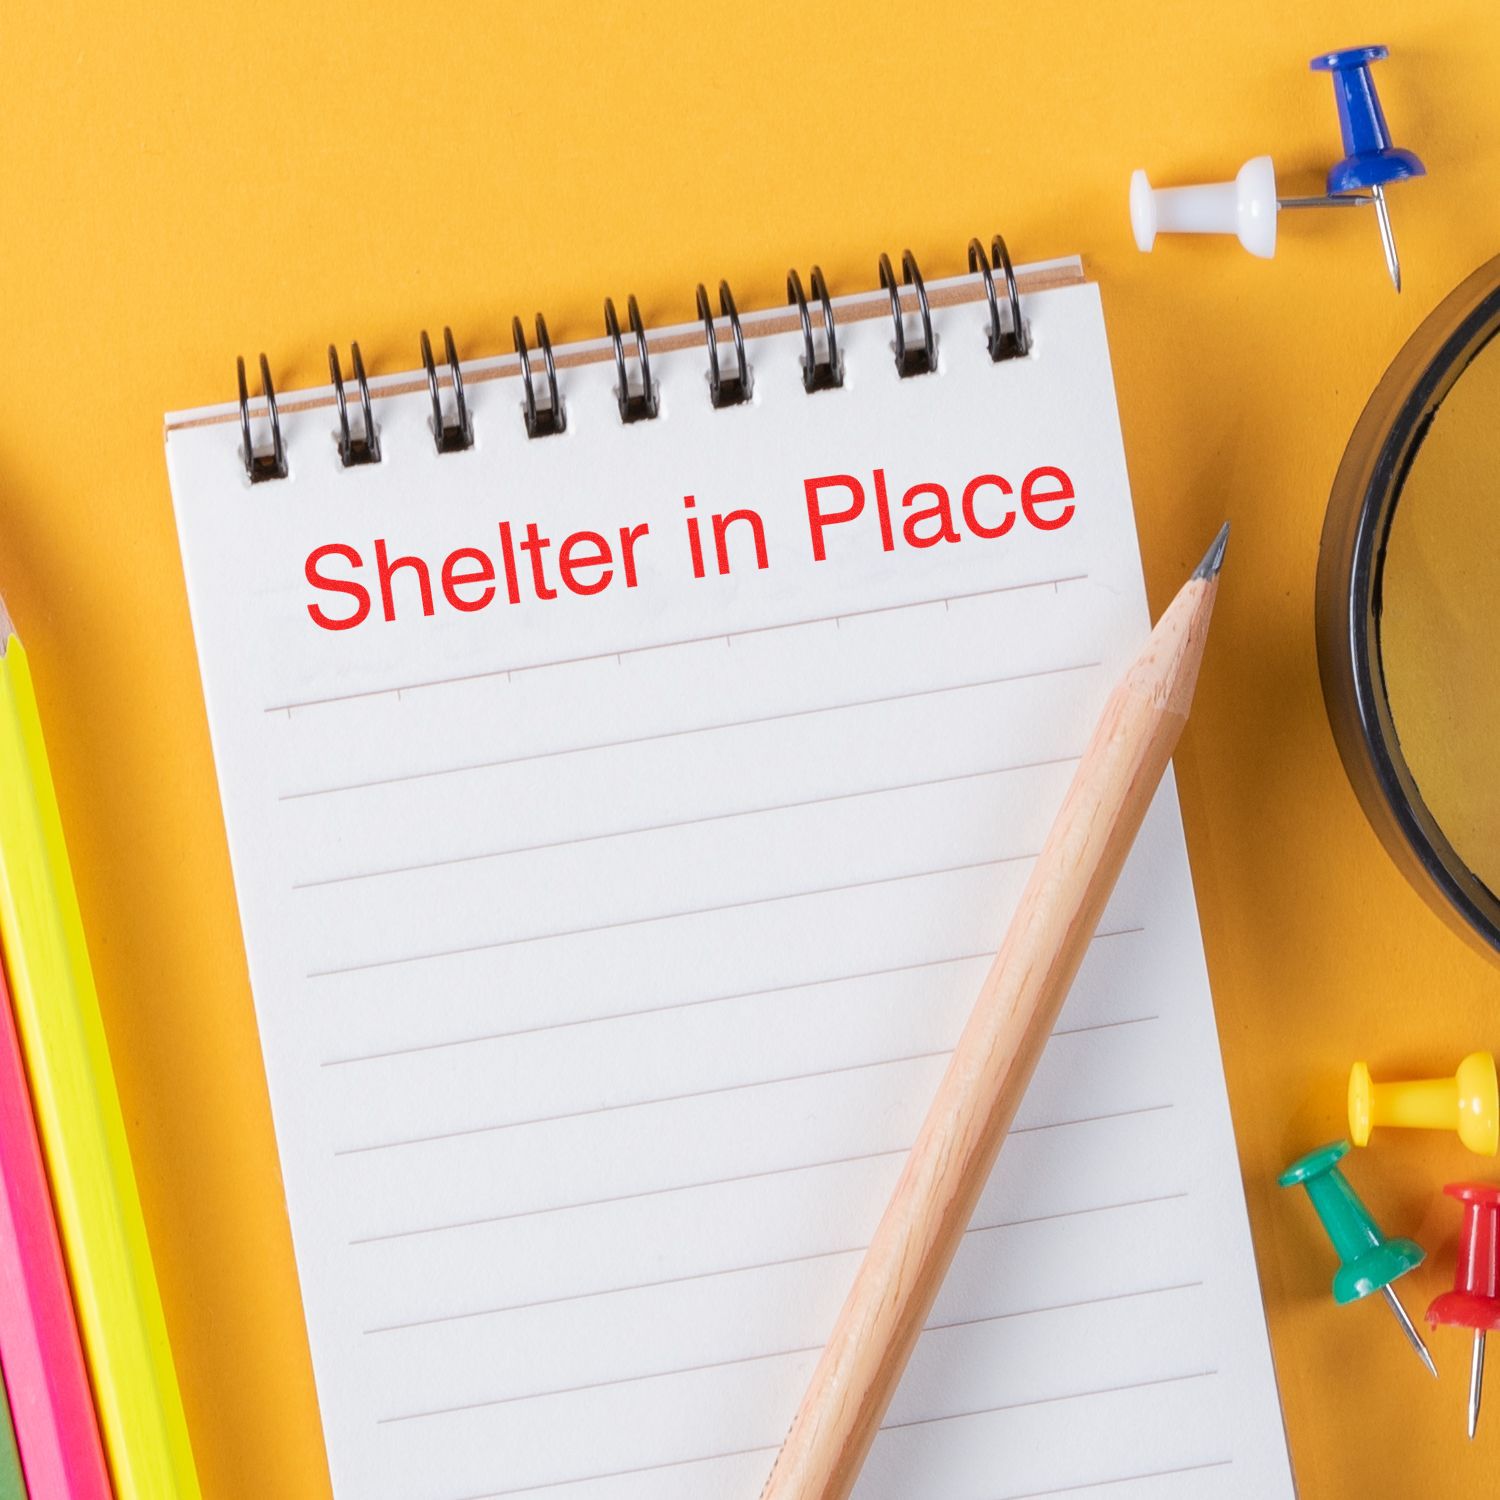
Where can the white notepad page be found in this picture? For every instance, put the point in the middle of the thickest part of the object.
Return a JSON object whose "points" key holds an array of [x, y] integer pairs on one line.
{"points": [[607, 948]]}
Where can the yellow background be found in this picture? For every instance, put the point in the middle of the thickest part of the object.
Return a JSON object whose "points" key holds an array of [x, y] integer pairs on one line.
{"points": [[179, 184]]}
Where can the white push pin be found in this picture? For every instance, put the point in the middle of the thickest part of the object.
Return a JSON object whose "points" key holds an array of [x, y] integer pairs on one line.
{"points": [[1245, 208]]}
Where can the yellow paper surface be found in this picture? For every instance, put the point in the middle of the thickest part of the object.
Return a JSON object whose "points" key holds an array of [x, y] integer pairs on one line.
{"points": [[184, 183]]}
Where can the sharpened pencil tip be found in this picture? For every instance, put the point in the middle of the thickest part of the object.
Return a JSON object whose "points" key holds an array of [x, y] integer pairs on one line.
{"points": [[1213, 559]]}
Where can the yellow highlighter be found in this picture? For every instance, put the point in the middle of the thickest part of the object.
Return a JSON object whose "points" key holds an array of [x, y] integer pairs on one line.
{"points": [[78, 1115]]}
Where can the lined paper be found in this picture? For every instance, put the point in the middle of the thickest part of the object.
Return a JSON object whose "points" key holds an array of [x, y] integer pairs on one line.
{"points": [[607, 949]]}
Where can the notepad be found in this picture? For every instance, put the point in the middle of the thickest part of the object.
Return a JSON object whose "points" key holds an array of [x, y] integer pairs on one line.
{"points": [[622, 820]]}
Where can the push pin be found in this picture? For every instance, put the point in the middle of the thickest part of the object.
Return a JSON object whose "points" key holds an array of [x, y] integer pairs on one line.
{"points": [[1248, 206], [1474, 1301], [1245, 208], [1370, 160], [1369, 1261], [1469, 1103]]}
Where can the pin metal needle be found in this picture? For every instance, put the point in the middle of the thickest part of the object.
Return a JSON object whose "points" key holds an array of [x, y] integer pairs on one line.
{"points": [[1476, 1382], [1387, 239], [1327, 200], [1407, 1327]]}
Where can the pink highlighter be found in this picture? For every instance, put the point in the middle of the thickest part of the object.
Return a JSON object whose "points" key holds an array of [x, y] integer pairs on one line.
{"points": [[46, 1379]]}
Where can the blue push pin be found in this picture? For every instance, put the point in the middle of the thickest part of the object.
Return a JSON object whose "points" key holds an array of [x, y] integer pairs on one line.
{"points": [[1370, 160]]}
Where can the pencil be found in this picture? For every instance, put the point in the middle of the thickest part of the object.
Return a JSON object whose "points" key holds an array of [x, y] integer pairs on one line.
{"points": [[51, 1407], [78, 1115], [1017, 1007]]}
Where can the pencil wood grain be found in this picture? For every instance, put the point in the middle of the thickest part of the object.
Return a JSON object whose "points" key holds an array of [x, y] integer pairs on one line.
{"points": [[1017, 1008]]}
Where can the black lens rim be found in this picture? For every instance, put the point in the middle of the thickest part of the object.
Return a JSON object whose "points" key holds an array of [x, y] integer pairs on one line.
{"points": [[1351, 562]]}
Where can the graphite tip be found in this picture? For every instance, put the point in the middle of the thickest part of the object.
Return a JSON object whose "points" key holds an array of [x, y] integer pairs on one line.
{"points": [[1213, 559]]}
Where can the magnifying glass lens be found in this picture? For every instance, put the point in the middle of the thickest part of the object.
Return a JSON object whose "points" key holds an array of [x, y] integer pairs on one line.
{"points": [[1408, 615], [1438, 614]]}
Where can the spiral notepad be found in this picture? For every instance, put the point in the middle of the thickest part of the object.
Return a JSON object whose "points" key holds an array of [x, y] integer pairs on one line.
{"points": [[631, 752]]}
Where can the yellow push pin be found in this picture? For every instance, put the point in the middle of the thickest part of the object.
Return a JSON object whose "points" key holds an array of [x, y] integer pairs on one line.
{"points": [[1469, 1103]]}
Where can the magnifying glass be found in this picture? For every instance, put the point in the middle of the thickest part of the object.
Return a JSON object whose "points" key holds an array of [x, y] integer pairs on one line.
{"points": [[1408, 608]]}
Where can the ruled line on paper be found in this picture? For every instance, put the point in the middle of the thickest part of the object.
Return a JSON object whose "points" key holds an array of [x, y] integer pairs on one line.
{"points": [[656, 1010], [678, 1463], [1100, 1484], [667, 916], [680, 1187], [608, 1109], [652, 1101], [1113, 1114], [677, 824], [684, 1187], [704, 1000], [761, 1358], [691, 640], [671, 734], [706, 1458], [771, 1265], [1105, 1025], [661, 1192], [1108, 1390]]}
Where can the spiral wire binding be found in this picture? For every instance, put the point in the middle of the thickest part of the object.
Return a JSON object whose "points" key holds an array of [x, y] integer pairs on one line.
{"points": [[1005, 343], [458, 435], [541, 421], [634, 406], [1007, 337], [732, 389], [259, 466], [826, 374], [364, 449], [911, 360]]}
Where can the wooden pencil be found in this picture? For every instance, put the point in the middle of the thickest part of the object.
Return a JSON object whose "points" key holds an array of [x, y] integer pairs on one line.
{"points": [[78, 1115], [52, 1408], [1016, 1010]]}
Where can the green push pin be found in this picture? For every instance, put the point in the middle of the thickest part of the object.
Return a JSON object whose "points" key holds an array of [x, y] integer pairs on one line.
{"points": [[1370, 1262]]}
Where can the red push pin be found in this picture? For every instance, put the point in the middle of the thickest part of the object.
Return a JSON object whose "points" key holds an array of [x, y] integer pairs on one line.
{"points": [[1474, 1301]]}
